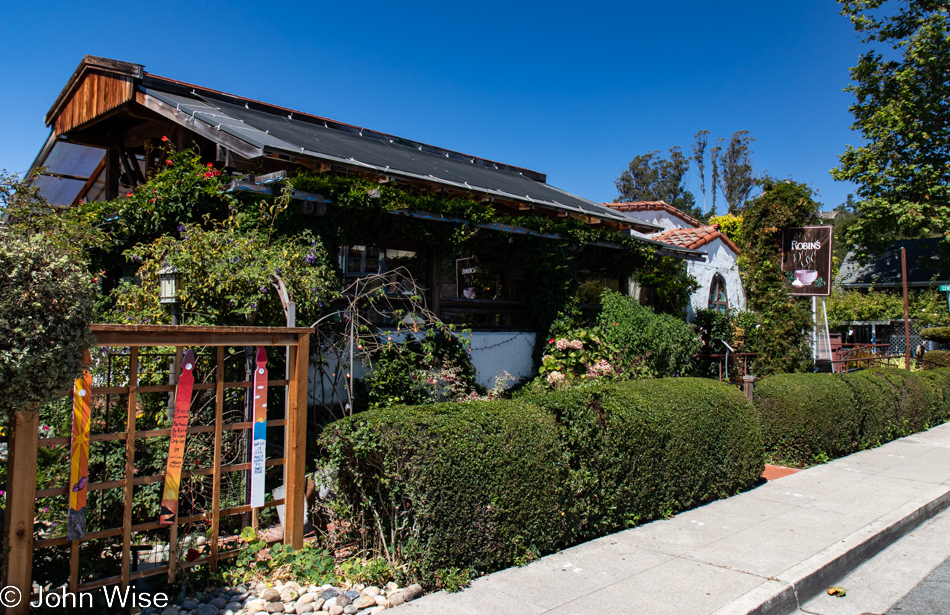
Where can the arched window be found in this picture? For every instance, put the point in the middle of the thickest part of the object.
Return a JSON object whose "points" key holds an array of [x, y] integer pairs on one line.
{"points": [[718, 297]]}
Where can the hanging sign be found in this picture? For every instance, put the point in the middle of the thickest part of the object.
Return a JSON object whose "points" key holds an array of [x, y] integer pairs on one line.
{"points": [[176, 448], [806, 260], [465, 270], [259, 450], [79, 455]]}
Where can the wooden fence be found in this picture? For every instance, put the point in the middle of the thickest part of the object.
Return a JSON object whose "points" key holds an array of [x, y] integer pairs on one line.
{"points": [[24, 443]]}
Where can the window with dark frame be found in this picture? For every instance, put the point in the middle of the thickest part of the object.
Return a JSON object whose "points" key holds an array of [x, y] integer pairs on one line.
{"points": [[718, 297], [402, 269]]}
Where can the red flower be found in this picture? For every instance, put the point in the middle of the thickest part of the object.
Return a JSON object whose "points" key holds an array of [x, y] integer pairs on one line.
{"points": [[169, 162], [164, 138], [217, 172], [551, 341], [128, 194], [209, 174], [210, 164]]}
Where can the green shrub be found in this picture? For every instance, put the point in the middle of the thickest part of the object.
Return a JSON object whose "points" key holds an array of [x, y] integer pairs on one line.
{"points": [[814, 417], [934, 359], [936, 334], [666, 343], [912, 408], [456, 485], [478, 486], [805, 416], [586, 354], [46, 305], [649, 448], [873, 407], [939, 380]]}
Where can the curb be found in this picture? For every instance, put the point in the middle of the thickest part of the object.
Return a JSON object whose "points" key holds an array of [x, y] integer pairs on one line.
{"points": [[809, 578]]}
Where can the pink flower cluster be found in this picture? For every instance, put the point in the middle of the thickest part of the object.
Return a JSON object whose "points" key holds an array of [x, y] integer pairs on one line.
{"points": [[563, 345], [555, 378], [599, 369]]}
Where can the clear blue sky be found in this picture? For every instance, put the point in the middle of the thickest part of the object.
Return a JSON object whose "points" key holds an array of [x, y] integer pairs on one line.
{"points": [[573, 90]]}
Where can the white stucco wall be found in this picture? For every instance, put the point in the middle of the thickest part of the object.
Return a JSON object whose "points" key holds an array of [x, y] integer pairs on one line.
{"points": [[661, 218], [722, 260], [508, 350], [491, 352]]}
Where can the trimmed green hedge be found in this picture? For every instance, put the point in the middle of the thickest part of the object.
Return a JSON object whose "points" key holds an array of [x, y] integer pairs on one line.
{"points": [[939, 380], [936, 334], [935, 359], [646, 449], [808, 418], [470, 485], [484, 485], [804, 416]]}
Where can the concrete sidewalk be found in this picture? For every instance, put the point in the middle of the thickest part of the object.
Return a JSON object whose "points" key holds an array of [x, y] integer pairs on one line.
{"points": [[764, 551]]}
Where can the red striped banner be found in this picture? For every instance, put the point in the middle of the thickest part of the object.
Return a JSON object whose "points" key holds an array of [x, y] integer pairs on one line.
{"points": [[176, 448]]}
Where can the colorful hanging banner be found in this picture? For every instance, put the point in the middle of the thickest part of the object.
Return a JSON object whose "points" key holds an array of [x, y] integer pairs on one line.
{"points": [[79, 454], [176, 448], [259, 450]]}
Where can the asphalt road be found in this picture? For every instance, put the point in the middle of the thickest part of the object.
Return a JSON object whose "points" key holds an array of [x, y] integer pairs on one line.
{"points": [[930, 597], [910, 577]]}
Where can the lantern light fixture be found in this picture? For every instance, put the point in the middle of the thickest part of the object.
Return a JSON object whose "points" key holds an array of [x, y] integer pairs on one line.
{"points": [[168, 279]]}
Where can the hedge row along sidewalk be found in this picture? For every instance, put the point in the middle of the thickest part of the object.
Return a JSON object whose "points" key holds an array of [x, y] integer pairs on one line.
{"points": [[810, 418], [469, 488]]}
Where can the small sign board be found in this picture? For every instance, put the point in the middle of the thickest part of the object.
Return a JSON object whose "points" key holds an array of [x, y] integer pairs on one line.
{"points": [[465, 270], [806, 260], [945, 288]]}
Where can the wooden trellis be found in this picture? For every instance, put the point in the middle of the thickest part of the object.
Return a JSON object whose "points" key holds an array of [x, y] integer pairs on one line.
{"points": [[24, 444]]}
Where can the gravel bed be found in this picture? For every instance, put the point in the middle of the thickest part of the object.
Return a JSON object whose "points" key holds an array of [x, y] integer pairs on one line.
{"points": [[290, 597]]}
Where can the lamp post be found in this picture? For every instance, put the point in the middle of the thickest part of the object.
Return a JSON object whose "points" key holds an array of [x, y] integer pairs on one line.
{"points": [[168, 279]]}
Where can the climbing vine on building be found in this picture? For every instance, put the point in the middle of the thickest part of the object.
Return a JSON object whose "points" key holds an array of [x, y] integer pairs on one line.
{"points": [[782, 341]]}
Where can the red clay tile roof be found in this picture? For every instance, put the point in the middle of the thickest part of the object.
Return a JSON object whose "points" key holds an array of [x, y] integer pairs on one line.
{"points": [[694, 238], [634, 206]]}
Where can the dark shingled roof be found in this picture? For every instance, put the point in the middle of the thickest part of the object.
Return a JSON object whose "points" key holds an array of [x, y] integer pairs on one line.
{"points": [[926, 266], [269, 129]]}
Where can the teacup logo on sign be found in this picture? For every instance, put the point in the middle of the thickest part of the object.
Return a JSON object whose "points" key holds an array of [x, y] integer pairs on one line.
{"points": [[806, 259]]}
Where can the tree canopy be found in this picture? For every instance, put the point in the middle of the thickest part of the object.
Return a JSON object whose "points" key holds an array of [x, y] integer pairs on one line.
{"points": [[902, 112], [734, 164], [651, 177]]}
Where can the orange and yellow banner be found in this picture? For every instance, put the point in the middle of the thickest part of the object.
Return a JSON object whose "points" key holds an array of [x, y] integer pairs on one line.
{"points": [[79, 455], [176, 448]]}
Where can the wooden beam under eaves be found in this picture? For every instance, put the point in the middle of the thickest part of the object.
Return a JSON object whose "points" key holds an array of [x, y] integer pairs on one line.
{"points": [[91, 181]]}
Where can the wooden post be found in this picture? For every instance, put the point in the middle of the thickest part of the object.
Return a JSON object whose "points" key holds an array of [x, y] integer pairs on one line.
{"points": [[21, 498], [906, 309], [748, 383], [216, 476], [129, 466], [112, 173], [295, 451]]}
